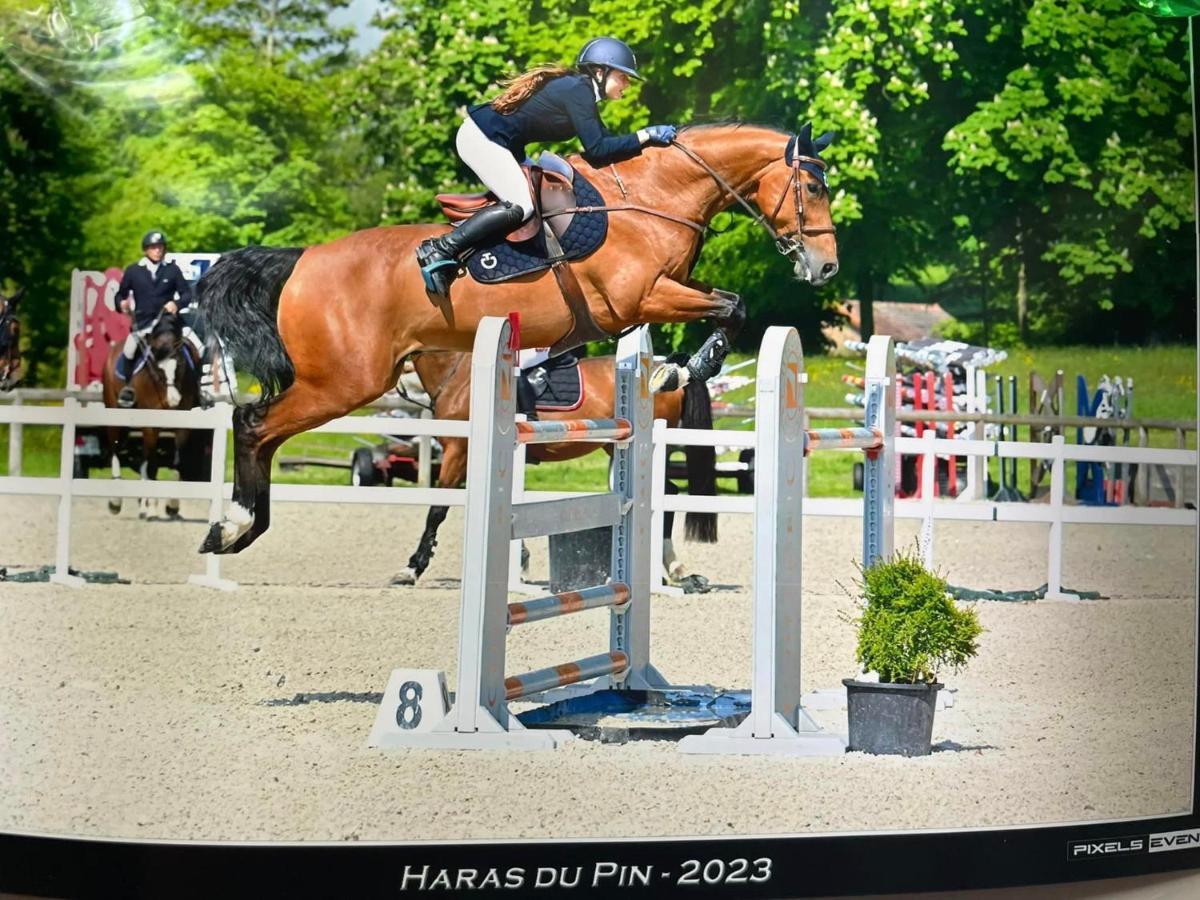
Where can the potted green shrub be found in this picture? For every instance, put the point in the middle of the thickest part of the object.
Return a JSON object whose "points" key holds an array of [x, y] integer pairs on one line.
{"points": [[910, 629]]}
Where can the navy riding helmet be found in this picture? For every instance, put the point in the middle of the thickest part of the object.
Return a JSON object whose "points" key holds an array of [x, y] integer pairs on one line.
{"points": [[611, 53], [153, 237]]}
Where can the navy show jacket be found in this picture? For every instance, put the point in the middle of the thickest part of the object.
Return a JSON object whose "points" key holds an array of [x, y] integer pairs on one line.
{"points": [[152, 292], [563, 108]]}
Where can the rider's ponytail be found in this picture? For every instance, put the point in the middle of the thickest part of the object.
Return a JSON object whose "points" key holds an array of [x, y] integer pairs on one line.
{"points": [[519, 89]]}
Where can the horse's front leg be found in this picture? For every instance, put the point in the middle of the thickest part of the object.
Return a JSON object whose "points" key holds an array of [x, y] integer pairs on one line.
{"points": [[673, 301], [148, 506]]}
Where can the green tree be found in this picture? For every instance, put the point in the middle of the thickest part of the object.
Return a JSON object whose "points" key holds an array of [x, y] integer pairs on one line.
{"points": [[1074, 169]]}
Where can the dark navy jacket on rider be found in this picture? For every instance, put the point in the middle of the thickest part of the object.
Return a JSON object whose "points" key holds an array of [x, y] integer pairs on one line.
{"points": [[563, 108], [152, 292]]}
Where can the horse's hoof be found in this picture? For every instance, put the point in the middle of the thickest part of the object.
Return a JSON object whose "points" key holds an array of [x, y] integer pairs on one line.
{"points": [[407, 578], [114, 507], [212, 541], [667, 377], [172, 512], [693, 584]]}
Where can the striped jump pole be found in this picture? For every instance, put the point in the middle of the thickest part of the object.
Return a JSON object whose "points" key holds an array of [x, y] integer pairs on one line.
{"points": [[613, 663], [777, 723], [843, 439], [574, 430], [480, 717], [614, 595]]}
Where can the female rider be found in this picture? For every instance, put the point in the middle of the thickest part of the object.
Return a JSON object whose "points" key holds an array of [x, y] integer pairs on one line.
{"points": [[548, 103]]}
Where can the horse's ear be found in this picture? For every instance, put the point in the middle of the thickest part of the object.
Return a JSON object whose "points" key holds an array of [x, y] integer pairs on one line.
{"points": [[12, 301], [805, 133], [824, 140]]}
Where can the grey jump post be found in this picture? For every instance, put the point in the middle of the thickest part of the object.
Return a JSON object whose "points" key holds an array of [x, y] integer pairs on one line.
{"points": [[414, 711]]}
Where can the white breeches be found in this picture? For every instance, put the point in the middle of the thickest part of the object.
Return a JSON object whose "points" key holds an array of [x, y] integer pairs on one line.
{"points": [[131, 342], [495, 166], [532, 356]]}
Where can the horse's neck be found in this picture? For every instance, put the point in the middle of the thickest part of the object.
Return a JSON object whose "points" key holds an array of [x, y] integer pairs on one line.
{"points": [[739, 154]]}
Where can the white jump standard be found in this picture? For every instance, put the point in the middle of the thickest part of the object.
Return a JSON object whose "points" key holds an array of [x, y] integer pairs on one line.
{"points": [[777, 723], [413, 712]]}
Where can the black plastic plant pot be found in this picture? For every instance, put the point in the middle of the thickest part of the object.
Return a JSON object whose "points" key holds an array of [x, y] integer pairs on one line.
{"points": [[895, 719]]}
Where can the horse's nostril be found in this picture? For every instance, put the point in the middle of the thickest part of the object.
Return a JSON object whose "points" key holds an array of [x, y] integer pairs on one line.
{"points": [[829, 270]]}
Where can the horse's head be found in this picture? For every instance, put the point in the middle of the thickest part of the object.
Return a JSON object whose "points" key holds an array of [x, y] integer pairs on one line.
{"points": [[10, 341], [794, 197], [165, 337], [166, 346]]}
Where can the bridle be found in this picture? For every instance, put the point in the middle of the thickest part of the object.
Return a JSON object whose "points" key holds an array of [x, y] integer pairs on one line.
{"points": [[789, 243], [10, 362]]}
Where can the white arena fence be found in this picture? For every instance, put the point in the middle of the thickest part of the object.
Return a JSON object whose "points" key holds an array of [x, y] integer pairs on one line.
{"points": [[1056, 513]]}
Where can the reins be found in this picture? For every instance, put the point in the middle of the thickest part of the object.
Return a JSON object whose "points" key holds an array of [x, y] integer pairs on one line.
{"points": [[787, 242]]}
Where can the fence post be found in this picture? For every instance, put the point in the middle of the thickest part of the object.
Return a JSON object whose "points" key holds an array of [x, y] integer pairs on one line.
{"points": [[216, 478], [1054, 589], [658, 491], [66, 472], [879, 467], [631, 477], [16, 440], [516, 576], [425, 455], [928, 476]]}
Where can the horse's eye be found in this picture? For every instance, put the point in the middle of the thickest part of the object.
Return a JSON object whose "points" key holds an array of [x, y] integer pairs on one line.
{"points": [[813, 188]]}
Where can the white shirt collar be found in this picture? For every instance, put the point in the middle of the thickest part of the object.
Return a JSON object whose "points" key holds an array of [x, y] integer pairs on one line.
{"points": [[595, 88], [145, 263]]}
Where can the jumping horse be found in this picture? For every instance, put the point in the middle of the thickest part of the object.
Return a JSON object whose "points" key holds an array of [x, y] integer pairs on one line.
{"points": [[166, 376], [446, 378], [326, 329], [10, 341]]}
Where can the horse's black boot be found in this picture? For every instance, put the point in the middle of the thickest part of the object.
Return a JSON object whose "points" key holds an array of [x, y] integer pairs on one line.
{"points": [[440, 257], [707, 361]]}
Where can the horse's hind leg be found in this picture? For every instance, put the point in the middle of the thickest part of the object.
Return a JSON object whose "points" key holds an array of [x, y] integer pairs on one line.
{"points": [[454, 454], [148, 506], [223, 536], [258, 432], [114, 437]]}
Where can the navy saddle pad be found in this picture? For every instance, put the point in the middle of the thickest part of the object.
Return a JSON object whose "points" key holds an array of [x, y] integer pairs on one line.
{"points": [[503, 260]]}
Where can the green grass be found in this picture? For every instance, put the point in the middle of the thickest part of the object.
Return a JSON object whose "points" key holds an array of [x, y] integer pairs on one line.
{"points": [[1164, 382]]}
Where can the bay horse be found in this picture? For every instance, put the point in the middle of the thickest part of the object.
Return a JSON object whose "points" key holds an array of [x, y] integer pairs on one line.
{"points": [[10, 341], [446, 378], [166, 376], [326, 329]]}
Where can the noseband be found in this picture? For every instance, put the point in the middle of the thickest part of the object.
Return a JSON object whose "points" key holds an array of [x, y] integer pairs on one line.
{"points": [[789, 243]]}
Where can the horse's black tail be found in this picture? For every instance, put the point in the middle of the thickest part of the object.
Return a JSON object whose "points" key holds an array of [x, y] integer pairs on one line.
{"points": [[238, 299], [701, 462]]}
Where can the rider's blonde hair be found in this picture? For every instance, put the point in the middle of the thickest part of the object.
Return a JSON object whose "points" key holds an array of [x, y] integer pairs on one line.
{"points": [[520, 88]]}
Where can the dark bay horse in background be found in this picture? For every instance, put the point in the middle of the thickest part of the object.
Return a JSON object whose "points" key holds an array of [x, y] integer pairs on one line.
{"points": [[446, 378], [326, 329], [166, 376], [10, 341]]}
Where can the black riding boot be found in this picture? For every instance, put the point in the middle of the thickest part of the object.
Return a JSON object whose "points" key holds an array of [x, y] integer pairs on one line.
{"points": [[526, 397], [439, 258]]}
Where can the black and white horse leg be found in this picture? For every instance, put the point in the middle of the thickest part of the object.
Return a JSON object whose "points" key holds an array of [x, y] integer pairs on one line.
{"points": [[419, 561], [236, 523], [673, 569], [703, 365]]}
